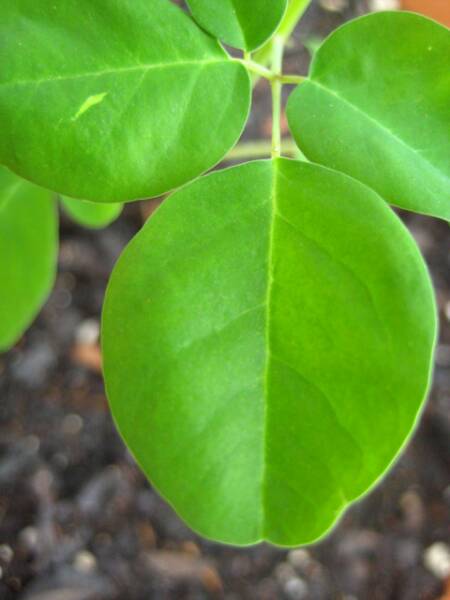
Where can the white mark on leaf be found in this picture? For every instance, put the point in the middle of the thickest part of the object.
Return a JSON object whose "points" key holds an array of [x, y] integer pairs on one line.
{"points": [[89, 103]]}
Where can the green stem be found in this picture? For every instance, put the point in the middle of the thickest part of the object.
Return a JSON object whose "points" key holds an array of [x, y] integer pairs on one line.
{"points": [[277, 67], [292, 79], [293, 14], [269, 74], [260, 149], [256, 68]]}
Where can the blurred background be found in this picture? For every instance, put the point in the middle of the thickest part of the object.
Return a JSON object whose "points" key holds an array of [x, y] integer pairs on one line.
{"points": [[78, 521]]}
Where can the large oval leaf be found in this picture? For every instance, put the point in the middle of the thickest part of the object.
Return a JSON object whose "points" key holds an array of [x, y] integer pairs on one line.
{"points": [[91, 214], [267, 340], [239, 23], [110, 100], [28, 250], [377, 106]]}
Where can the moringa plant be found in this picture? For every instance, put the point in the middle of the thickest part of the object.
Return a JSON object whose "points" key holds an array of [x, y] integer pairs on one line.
{"points": [[268, 335]]}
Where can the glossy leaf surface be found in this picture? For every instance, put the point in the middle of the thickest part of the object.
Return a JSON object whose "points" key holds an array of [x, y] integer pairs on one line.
{"points": [[377, 107], [114, 100], [91, 214], [28, 251], [267, 341], [239, 23]]}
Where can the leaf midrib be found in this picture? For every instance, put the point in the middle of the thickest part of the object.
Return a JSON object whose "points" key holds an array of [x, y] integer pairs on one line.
{"points": [[381, 126], [137, 68], [268, 305]]}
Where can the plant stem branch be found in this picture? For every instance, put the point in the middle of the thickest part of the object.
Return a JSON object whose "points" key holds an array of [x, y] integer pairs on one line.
{"points": [[269, 74], [277, 67], [294, 13], [291, 79], [256, 68], [260, 149]]}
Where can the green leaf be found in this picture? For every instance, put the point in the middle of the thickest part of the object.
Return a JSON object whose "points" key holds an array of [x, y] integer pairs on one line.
{"points": [[239, 23], [28, 251], [113, 101], [91, 214], [267, 341], [377, 107]]}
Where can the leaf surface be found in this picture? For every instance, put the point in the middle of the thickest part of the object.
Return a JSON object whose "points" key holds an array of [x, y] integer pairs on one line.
{"points": [[267, 343], [28, 251], [91, 214], [114, 100], [377, 106], [239, 23]]}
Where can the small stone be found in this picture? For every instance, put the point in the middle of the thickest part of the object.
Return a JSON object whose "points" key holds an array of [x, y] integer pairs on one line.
{"points": [[85, 562], [377, 5], [147, 535], [181, 567], [6, 553], [72, 424], [447, 310], [413, 509], [299, 559], [284, 572], [334, 5], [359, 544], [191, 548], [28, 537], [88, 332], [43, 482], [61, 299], [437, 560], [88, 356], [33, 366], [296, 589]]}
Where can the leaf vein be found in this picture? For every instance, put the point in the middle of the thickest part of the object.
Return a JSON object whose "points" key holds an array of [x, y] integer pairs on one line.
{"points": [[381, 126], [130, 69]]}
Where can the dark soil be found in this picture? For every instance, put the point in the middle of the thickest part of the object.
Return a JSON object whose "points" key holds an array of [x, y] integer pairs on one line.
{"points": [[78, 521]]}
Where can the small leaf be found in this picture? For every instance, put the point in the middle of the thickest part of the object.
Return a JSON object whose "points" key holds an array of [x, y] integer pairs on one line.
{"points": [[267, 343], [239, 23], [28, 251], [377, 106], [91, 214], [114, 101]]}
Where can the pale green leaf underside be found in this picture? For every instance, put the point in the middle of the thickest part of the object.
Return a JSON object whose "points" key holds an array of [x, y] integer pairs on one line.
{"points": [[382, 113], [267, 342], [91, 214], [28, 250], [239, 23], [114, 100]]}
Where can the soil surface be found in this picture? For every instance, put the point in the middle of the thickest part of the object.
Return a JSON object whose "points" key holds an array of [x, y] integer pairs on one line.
{"points": [[78, 521]]}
